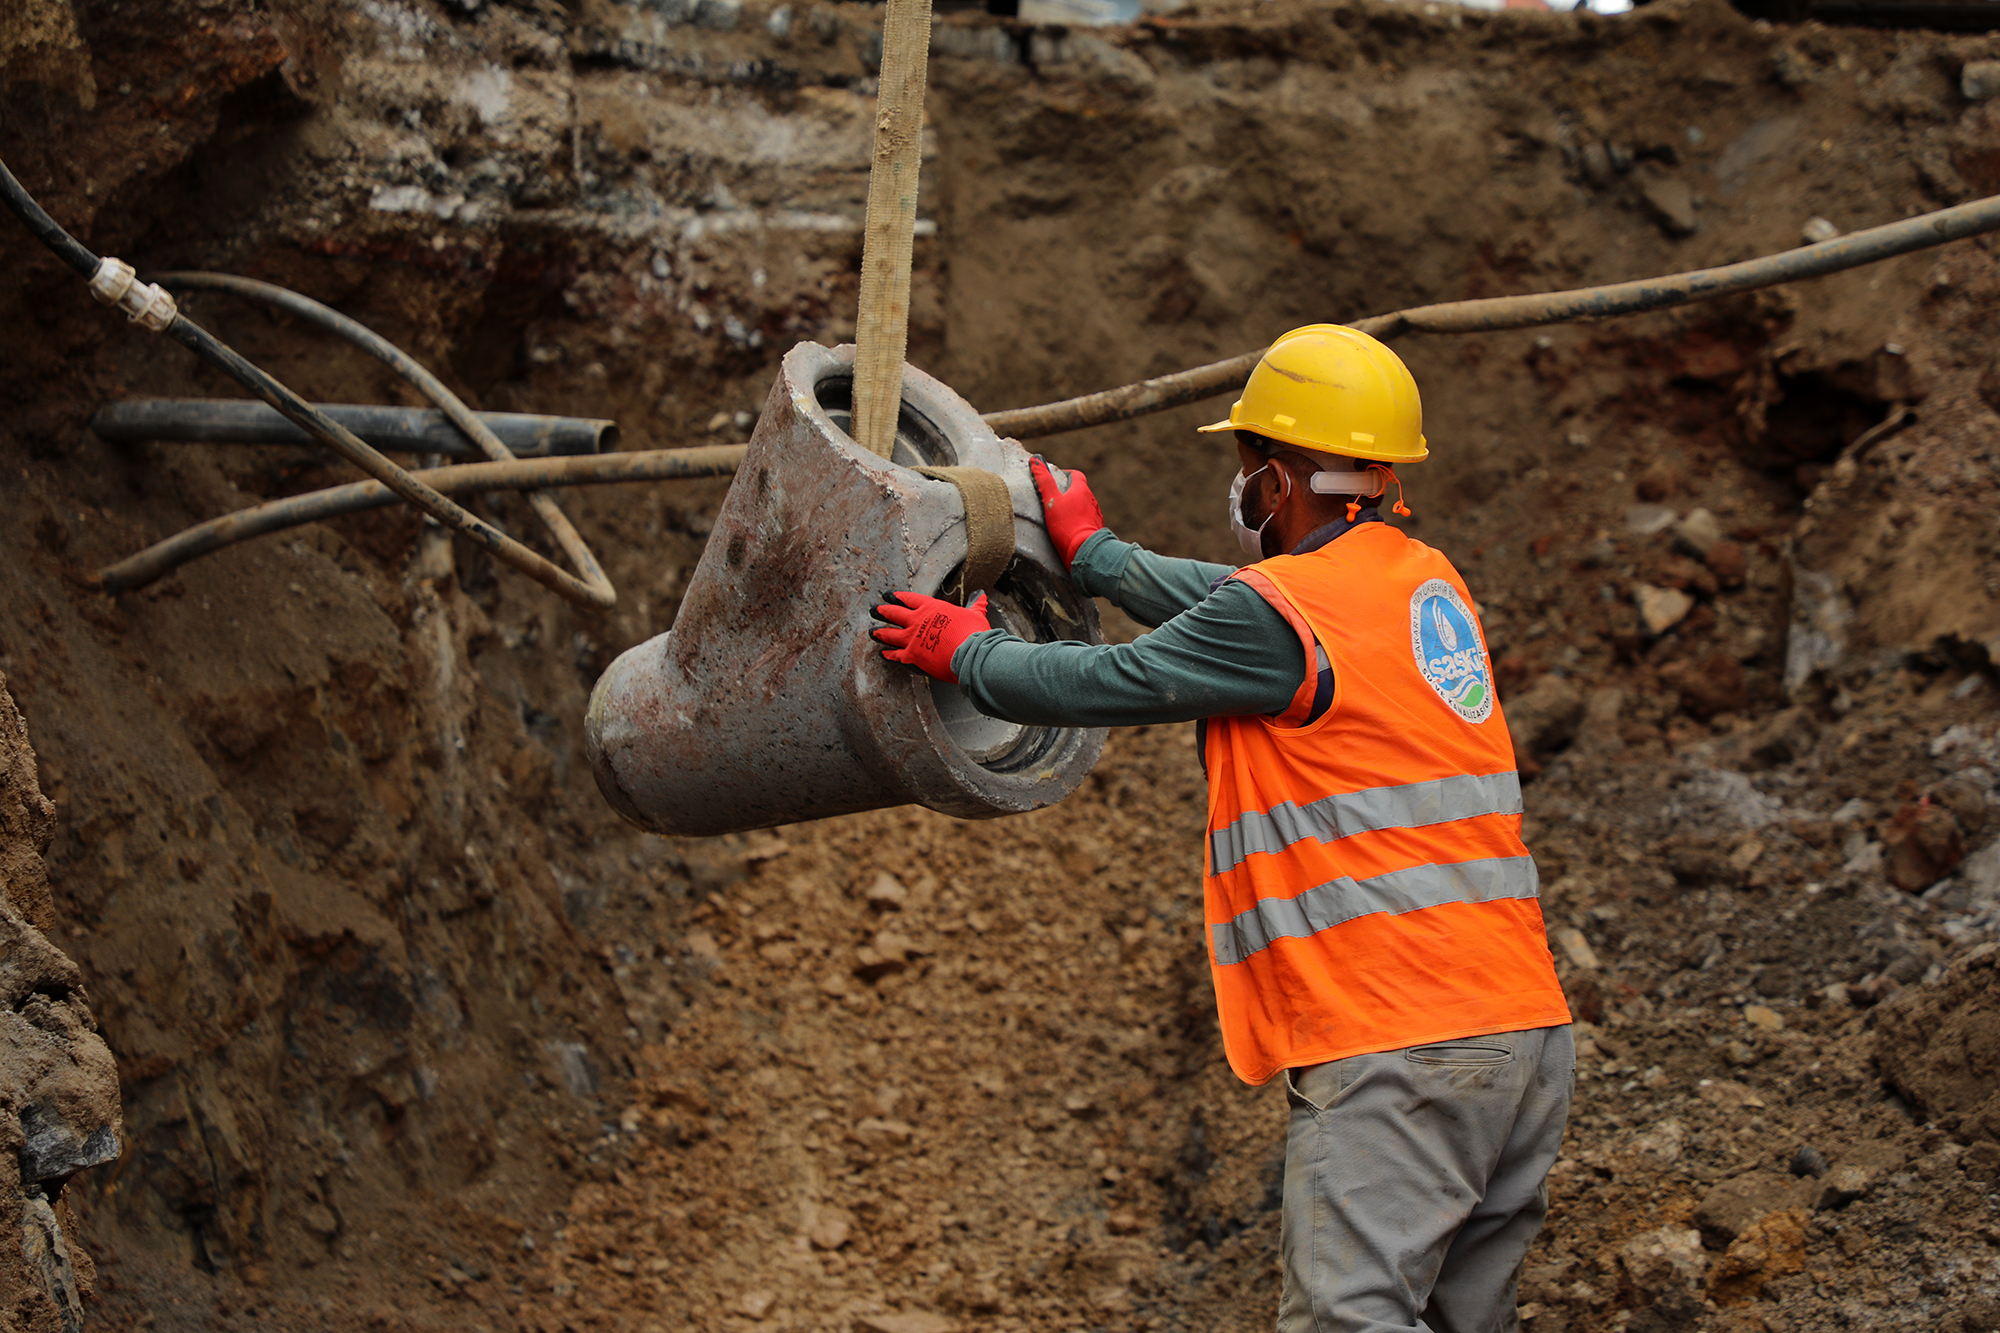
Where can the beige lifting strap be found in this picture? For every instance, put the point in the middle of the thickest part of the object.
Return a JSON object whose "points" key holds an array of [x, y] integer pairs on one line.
{"points": [[989, 525]]}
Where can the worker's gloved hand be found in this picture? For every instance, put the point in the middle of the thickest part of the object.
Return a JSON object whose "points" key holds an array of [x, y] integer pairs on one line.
{"points": [[1070, 511], [926, 632]]}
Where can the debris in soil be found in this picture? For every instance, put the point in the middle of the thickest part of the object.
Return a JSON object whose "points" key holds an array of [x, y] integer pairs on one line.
{"points": [[58, 1083], [412, 1034]]}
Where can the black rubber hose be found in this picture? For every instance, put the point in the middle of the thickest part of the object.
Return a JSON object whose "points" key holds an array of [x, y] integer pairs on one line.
{"points": [[45, 228], [413, 430], [590, 586], [596, 592], [161, 558]]}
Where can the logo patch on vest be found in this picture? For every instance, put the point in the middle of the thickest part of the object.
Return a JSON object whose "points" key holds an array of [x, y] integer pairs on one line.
{"points": [[1448, 651]]}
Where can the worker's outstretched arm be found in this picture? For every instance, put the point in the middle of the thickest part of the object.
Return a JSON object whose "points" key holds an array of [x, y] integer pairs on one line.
{"points": [[1232, 654], [1152, 589]]}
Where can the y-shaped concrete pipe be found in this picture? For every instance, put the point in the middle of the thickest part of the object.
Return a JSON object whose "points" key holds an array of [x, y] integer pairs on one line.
{"points": [[768, 702]]}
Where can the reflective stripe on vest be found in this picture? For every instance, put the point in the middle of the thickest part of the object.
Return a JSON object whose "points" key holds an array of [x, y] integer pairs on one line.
{"points": [[1412, 805], [1327, 905]]}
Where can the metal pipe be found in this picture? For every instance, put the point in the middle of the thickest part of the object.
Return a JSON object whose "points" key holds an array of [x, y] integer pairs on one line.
{"points": [[161, 558], [414, 430], [1520, 312]]}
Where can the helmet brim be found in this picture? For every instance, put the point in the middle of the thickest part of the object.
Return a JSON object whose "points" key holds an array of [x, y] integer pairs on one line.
{"points": [[1423, 444]]}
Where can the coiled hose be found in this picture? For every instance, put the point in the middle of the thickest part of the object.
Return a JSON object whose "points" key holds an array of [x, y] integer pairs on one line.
{"points": [[112, 281]]}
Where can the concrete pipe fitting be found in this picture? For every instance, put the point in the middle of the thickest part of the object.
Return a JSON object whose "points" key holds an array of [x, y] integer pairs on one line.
{"points": [[768, 702]]}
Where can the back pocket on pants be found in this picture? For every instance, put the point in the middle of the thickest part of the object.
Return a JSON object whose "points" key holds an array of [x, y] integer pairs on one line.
{"points": [[1460, 1053]]}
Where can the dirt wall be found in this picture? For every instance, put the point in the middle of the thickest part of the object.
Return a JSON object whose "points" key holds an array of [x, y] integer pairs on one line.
{"points": [[412, 1032], [59, 1103]]}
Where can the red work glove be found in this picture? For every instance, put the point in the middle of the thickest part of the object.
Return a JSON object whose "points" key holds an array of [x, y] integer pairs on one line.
{"points": [[926, 632], [1070, 512]]}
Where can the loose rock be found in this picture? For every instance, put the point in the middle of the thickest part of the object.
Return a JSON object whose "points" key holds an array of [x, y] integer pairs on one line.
{"points": [[1773, 1247], [1979, 80], [1658, 1261], [1734, 1206], [1660, 609], [1698, 532]]}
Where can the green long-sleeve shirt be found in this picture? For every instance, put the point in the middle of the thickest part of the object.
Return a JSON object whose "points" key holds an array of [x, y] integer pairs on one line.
{"points": [[1218, 649]]}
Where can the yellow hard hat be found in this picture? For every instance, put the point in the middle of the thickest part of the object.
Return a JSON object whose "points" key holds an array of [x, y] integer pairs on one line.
{"points": [[1336, 390]]}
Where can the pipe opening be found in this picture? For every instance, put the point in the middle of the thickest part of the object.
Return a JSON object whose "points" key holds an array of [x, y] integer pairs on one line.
{"points": [[919, 442], [1026, 601]]}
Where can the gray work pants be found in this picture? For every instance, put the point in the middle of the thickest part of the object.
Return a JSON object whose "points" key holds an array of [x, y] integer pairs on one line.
{"points": [[1414, 1180]]}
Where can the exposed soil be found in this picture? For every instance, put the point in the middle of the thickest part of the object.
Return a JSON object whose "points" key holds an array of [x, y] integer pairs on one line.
{"points": [[412, 1033]]}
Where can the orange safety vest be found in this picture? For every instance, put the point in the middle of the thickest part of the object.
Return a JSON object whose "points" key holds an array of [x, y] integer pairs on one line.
{"points": [[1367, 887]]}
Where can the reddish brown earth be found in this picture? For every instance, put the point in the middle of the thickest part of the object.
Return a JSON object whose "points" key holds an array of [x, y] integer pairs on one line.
{"points": [[413, 1034]]}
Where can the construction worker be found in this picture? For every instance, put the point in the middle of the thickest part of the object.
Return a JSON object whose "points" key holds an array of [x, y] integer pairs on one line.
{"points": [[1373, 927]]}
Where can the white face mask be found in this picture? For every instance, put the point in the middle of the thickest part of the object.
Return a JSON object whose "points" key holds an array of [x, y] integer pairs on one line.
{"points": [[1250, 539]]}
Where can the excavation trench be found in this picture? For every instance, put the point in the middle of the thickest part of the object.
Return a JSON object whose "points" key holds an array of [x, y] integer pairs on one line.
{"points": [[410, 1030]]}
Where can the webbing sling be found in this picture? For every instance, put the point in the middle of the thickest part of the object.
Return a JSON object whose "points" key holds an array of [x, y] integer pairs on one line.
{"points": [[989, 525]]}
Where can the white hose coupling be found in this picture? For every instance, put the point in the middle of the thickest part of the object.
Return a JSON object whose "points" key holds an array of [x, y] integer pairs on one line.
{"points": [[147, 305]]}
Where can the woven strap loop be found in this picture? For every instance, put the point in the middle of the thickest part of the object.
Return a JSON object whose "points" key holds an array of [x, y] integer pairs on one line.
{"points": [[989, 525]]}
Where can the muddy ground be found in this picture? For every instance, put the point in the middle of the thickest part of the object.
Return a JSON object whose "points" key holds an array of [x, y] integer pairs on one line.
{"points": [[413, 1034]]}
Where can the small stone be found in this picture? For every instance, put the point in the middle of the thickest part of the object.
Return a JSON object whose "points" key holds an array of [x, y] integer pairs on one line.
{"points": [[1817, 230], [1747, 854], [887, 892], [1698, 532], [875, 1132], [1844, 1184], [1660, 609], [1121, 1223], [1728, 1094], [756, 1304], [319, 1220], [1595, 159], [1660, 1146], [1732, 1207], [718, 421], [1774, 1247], [1763, 1017], [829, 1230], [908, 1321], [888, 952], [1979, 80], [1808, 1161], [744, 421], [1670, 202], [1576, 946], [1657, 1261], [719, 15], [1658, 480], [1644, 520], [1079, 1106]]}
